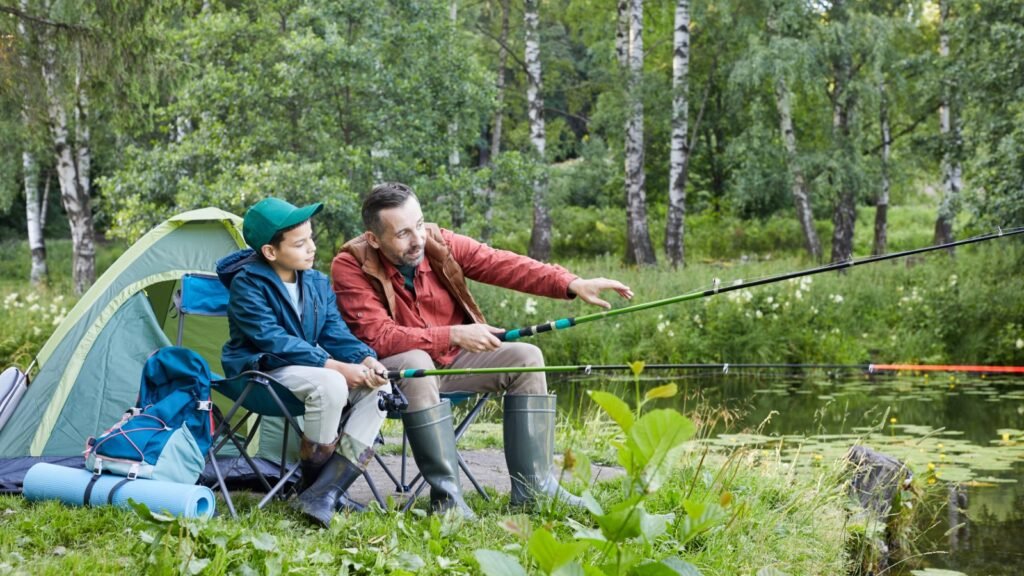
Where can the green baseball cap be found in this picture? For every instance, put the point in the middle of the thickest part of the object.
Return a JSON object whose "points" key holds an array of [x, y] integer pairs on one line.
{"points": [[269, 215]]}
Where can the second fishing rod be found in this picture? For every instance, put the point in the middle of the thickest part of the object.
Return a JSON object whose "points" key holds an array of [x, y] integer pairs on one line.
{"points": [[717, 288]]}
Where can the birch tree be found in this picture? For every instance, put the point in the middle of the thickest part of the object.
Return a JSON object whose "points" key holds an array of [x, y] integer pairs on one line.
{"points": [[675, 226], [842, 97], [72, 155], [34, 210], [952, 179], [882, 204], [638, 238], [540, 236]]}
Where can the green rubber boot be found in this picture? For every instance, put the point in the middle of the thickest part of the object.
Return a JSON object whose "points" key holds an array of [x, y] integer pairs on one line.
{"points": [[318, 502], [529, 426], [432, 438]]}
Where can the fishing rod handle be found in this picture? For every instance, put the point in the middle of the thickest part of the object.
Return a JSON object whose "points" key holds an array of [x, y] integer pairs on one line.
{"points": [[517, 333]]}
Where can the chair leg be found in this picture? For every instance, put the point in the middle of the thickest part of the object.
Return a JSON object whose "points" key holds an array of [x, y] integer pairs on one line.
{"points": [[373, 490]]}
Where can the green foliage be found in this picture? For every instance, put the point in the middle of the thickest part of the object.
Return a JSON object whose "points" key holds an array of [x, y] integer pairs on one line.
{"points": [[924, 309], [314, 101]]}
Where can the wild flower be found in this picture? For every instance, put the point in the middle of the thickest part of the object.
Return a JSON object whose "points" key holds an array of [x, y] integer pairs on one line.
{"points": [[503, 303], [34, 308], [1020, 343], [952, 280], [758, 313], [531, 306], [837, 298]]}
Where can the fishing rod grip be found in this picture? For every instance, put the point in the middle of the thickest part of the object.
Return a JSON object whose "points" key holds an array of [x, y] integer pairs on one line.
{"points": [[517, 333], [394, 375]]}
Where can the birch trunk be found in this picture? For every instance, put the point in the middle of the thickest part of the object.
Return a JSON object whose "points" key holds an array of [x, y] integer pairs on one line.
{"points": [[639, 248], [73, 162], [675, 226], [801, 196], [540, 237], [34, 219], [35, 214], [499, 118], [882, 206], [844, 216], [952, 180]]}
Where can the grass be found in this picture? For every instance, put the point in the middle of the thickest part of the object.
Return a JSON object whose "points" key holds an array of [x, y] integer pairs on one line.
{"points": [[793, 524], [936, 309]]}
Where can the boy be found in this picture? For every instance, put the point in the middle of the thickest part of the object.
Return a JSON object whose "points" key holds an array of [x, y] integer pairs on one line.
{"points": [[284, 320]]}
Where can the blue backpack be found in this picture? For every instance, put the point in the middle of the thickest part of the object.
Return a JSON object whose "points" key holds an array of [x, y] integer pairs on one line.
{"points": [[167, 434]]}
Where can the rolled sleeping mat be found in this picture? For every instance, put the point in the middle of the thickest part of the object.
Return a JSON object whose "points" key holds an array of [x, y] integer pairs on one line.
{"points": [[13, 384], [51, 482]]}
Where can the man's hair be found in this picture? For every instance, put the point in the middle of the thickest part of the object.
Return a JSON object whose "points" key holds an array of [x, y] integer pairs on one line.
{"points": [[383, 196]]}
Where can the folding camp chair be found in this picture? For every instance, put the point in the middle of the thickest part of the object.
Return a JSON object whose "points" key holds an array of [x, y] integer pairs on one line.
{"points": [[416, 485], [252, 393]]}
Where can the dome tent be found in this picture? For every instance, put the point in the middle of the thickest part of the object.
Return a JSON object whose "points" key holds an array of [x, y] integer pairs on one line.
{"points": [[90, 368]]}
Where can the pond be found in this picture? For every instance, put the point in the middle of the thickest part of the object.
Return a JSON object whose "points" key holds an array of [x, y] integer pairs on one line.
{"points": [[953, 430]]}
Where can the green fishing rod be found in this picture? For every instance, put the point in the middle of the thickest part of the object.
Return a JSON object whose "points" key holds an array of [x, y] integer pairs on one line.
{"points": [[716, 288], [588, 369]]}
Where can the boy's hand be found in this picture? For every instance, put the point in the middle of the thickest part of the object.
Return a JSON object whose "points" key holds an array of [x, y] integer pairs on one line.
{"points": [[378, 372], [357, 375]]}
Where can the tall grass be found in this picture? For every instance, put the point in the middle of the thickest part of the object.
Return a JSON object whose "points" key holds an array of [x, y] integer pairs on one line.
{"points": [[967, 308]]}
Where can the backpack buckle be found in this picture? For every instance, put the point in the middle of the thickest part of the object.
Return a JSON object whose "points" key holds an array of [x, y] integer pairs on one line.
{"points": [[206, 405], [133, 472]]}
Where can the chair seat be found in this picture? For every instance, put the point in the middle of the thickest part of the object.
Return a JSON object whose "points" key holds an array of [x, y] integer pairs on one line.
{"points": [[259, 399]]}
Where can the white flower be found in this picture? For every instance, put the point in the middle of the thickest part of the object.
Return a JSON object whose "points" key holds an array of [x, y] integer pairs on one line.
{"points": [[531, 306], [758, 314], [837, 298], [798, 294], [769, 300], [34, 308], [952, 279], [1020, 343], [671, 334], [661, 326], [503, 303]]}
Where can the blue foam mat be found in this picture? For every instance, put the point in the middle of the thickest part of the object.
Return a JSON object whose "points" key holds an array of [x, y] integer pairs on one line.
{"points": [[51, 482]]}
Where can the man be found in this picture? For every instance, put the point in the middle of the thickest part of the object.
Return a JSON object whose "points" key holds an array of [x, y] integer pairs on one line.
{"points": [[284, 320], [402, 290]]}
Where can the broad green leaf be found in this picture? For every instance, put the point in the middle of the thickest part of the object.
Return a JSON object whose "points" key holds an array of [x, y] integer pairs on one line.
{"points": [[197, 565], [666, 391], [653, 441], [591, 503], [622, 522], [654, 525], [570, 569], [494, 563], [549, 553], [263, 542], [700, 517], [518, 525], [615, 407], [409, 561], [667, 567]]}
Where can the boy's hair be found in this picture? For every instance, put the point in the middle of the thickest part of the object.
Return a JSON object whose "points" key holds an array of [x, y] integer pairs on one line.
{"points": [[278, 236], [383, 196]]}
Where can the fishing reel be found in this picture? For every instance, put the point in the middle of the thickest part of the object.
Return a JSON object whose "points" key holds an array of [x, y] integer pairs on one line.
{"points": [[392, 403]]}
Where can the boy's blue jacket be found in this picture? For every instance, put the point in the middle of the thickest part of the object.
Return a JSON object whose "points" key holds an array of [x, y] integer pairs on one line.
{"points": [[267, 333]]}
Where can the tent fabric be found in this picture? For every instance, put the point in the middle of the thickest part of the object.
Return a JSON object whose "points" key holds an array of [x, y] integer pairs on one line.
{"points": [[90, 368]]}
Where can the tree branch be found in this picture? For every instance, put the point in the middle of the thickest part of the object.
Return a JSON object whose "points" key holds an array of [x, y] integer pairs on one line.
{"points": [[44, 21], [508, 50], [583, 119], [908, 128]]}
